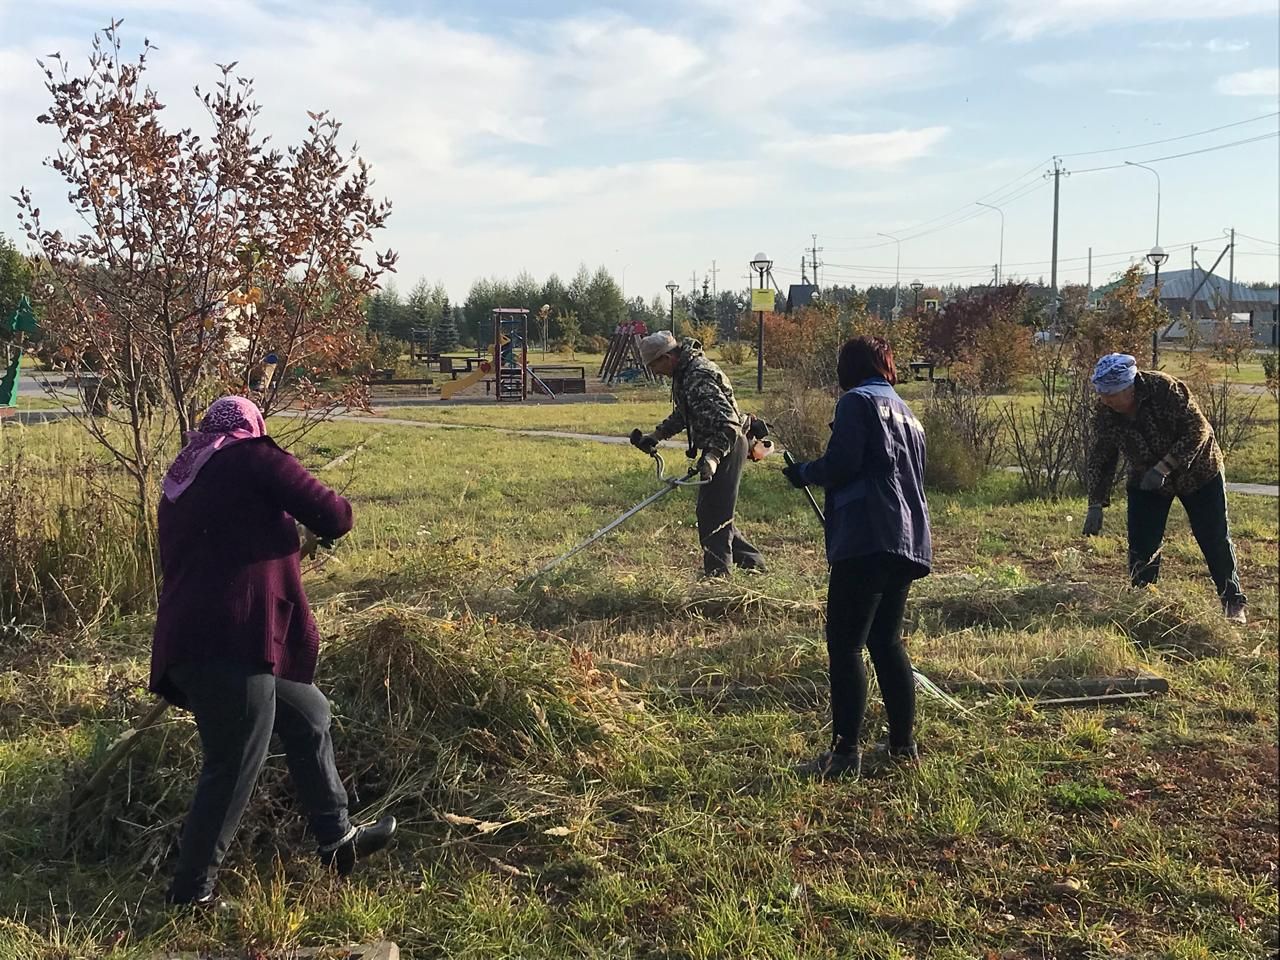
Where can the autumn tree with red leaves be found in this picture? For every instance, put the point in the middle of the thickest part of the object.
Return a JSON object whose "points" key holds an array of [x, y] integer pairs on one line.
{"points": [[198, 258]]}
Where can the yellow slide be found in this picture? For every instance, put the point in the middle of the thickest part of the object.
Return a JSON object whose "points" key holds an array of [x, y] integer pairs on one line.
{"points": [[449, 388]]}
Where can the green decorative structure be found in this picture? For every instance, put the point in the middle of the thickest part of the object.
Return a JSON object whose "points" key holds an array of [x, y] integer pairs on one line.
{"points": [[22, 322]]}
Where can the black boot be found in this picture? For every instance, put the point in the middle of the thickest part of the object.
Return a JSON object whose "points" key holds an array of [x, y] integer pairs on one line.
{"points": [[884, 755], [209, 903], [832, 766], [363, 841]]}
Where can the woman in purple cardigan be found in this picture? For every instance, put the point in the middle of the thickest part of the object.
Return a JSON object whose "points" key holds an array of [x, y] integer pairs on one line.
{"points": [[235, 642]]}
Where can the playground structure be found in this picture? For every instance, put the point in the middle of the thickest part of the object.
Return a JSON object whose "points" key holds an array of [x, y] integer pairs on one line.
{"points": [[506, 372], [622, 357]]}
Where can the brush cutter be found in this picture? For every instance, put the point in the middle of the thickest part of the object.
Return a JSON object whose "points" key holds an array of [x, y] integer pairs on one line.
{"points": [[923, 683], [669, 483]]}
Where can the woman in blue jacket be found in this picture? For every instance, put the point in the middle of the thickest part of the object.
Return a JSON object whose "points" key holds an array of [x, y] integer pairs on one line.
{"points": [[878, 541]]}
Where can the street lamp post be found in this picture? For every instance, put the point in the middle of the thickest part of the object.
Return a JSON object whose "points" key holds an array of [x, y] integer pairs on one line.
{"points": [[916, 286], [1154, 172], [1156, 257], [762, 265], [672, 287], [1000, 264], [897, 276]]}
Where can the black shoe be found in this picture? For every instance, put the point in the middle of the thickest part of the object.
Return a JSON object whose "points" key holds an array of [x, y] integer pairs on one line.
{"points": [[753, 569], [365, 840], [883, 755], [210, 903], [1234, 611], [831, 766]]}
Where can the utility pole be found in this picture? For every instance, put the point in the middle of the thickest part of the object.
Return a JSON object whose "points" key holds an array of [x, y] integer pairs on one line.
{"points": [[714, 270], [1056, 173], [1089, 283], [1195, 316], [1231, 275], [804, 277], [815, 250], [693, 280]]}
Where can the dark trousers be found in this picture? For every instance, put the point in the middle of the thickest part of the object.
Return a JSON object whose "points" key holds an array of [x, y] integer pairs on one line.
{"points": [[1207, 513], [866, 598], [237, 707], [722, 542]]}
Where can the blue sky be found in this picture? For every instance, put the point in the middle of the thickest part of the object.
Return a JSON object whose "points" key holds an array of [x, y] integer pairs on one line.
{"points": [[657, 138]]}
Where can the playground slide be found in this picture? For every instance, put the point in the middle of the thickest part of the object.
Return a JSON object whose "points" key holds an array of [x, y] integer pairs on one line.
{"points": [[450, 387]]}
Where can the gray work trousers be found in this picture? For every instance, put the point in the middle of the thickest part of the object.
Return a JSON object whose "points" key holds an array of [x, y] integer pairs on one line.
{"points": [[722, 542], [237, 707]]}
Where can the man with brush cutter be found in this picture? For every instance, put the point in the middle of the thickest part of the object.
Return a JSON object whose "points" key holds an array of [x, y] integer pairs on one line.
{"points": [[704, 406]]}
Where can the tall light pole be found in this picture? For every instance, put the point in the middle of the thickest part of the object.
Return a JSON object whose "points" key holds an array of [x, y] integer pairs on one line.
{"points": [[897, 276], [1156, 257], [762, 265], [1156, 174], [916, 286], [672, 287], [1000, 264]]}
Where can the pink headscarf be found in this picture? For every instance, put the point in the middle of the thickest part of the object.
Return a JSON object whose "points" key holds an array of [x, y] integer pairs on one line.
{"points": [[227, 422]]}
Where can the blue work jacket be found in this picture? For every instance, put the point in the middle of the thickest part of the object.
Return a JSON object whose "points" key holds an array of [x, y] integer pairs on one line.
{"points": [[873, 475]]}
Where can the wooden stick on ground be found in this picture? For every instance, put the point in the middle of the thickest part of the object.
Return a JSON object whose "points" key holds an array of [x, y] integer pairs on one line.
{"points": [[119, 750]]}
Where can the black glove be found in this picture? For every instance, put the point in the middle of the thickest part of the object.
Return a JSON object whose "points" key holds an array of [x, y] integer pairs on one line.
{"points": [[792, 472], [1093, 520], [646, 442], [1152, 480]]}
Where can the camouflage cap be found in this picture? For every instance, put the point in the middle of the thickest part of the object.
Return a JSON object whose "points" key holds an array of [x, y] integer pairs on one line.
{"points": [[657, 344]]}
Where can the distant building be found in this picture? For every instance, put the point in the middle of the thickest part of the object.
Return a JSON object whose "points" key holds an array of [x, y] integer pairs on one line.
{"points": [[801, 295], [1214, 297]]}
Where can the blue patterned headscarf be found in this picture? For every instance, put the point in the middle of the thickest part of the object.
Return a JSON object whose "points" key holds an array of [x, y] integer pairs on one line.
{"points": [[1114, 373]]}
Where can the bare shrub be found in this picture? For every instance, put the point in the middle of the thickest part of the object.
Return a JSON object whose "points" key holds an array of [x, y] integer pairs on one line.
{"points": [[1233, 415], [1048, 440], [800, 420], [951, 463], [972, 416], [1271, 373]]}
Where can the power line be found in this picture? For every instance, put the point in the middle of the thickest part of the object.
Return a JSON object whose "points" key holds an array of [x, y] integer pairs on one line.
{"points": [[1189, 153], [1257, 239], [1185, 136]]}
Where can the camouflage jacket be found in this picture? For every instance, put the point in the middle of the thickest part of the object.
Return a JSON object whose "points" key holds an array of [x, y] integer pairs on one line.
{"points": [[1168, 426], [704, 404]]}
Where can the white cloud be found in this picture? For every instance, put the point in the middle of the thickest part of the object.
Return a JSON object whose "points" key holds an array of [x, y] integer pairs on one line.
{"points": [[862, 151], [1218, 45], [1022, 20], [1263, 82], [1174, 45]]}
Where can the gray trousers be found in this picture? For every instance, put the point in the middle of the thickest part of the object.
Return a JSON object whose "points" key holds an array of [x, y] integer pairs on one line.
{"points": [[722, 542], [237, 707]]}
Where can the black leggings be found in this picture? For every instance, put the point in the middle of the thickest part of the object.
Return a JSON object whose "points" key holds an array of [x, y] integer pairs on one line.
{"points": [[866, 598]]}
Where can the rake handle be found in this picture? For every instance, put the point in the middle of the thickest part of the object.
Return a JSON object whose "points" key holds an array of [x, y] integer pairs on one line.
{"points": [[817, 510]]}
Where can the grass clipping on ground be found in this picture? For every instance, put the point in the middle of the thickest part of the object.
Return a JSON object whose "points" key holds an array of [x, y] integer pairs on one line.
{"points": [[430, 714]]}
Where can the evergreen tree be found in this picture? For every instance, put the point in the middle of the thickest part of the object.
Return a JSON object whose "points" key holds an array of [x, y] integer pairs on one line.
{"points": [[446, 332]]}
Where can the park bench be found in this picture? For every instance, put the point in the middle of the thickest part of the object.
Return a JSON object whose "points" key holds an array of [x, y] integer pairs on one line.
{"points": [[561, 379], [919, 367]]}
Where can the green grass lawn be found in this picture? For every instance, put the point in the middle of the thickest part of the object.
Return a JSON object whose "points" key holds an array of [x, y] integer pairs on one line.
{"points": [[598, 766]]}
